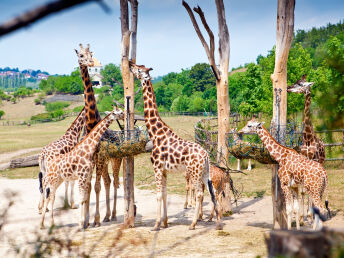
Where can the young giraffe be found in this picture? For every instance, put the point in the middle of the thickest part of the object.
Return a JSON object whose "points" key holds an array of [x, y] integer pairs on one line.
{"points": [[221, 180], [78, 165], [312, 147], [237, 140], [92, 118], [63, 145], [295, 170], [171, 152]]}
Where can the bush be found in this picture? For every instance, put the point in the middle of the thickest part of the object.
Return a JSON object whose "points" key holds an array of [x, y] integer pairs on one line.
{"points": [[58, 105], [42, 116], [37, 101], [57, 113], [2, 113]]}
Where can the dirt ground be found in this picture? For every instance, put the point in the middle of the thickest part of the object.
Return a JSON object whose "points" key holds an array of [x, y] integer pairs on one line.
{"points": [[242, 235]]}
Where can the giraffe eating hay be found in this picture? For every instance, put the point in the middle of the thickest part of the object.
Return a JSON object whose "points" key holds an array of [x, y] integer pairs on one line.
{"points": [[92, 118], [237, 140], [78, 165], [63, 145], [172, 153], [295, 169]]}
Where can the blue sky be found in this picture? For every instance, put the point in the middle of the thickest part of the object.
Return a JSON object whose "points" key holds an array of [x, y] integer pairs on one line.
{"points": [[167, 41]]}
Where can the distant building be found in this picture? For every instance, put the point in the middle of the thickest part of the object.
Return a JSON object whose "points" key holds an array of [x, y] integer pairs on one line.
{"points": [[95, 75]]}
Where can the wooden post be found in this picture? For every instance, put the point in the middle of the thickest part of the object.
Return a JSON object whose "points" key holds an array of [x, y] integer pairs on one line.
{"points": [[129, 96], [284, 37], [220, 73]]}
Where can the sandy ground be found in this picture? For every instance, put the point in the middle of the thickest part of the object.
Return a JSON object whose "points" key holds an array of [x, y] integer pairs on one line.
{"points": [[251, 215], [242, 235]]}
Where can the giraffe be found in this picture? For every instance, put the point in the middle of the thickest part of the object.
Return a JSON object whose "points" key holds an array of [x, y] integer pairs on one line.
{"points": [[172, 153], [62, 145], [221, 180], [92, 118], [78, 164], [295, 170], [238, 140], [312, 147]]}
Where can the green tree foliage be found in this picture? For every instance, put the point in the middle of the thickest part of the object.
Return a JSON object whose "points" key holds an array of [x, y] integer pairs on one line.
{"points": [[329, 83], [2, 113], [63, 84]]}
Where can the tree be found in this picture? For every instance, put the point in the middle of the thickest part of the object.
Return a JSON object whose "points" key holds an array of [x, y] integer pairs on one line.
{"points": [[220, 73], [2, 113], [284, 36], [111, 75]]}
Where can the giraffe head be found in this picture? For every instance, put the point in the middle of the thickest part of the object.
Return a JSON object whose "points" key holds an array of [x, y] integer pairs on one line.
{"points": [[301, 86], [252, 126], [116, 113], [140, 71], [85, 56]]}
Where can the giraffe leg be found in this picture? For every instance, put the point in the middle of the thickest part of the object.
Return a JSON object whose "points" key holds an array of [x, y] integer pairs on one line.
{"points": [[46, 203], [289, 203], [116, 165], [187, 188], [83, 205], [87, 216], [200, 217], [66, 203], [72, 203], [159, 185], [52, 208], [107, 183], [97, 188], [164, 200], [249, 166], [199, 195], [296, 206]]}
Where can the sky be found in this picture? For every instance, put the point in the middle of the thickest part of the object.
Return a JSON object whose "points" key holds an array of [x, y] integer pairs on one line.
{"points": [[166, 39]]}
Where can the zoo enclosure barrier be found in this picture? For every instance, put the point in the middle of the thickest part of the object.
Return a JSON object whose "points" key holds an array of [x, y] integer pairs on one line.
{"points": [[250, 146]]}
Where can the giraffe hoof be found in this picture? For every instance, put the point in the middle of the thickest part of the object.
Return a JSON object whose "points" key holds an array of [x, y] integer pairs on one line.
{"points": [[192, 227], [42, 227], [155, 229], [74, 206], [106, 219], [113, 218], [185, 206], [96, 224]]}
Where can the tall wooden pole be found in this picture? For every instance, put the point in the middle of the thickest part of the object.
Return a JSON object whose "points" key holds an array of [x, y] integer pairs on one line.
{"points": [[284, 37], [129, 97]]}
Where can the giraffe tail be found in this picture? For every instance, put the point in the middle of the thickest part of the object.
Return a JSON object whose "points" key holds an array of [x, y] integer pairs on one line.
{"points": [[326, 199], [41, 173], [210, 185]]}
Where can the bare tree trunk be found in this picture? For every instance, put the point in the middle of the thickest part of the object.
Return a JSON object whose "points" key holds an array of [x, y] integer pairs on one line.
{"points": [[129, 95], [284, 37], [221, 73]]}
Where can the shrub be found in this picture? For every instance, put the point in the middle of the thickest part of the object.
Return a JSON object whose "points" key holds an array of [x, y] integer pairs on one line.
{"points": [[2, 113], [42, 116], [57, 113], [37, 101], [58, 105]]}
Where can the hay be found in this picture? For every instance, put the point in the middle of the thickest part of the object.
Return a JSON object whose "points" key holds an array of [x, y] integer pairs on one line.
{"points": [[124, 149], [251, 151]]}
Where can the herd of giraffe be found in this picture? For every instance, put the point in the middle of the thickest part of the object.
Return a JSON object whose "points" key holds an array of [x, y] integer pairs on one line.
{"points": [[69, 159]]}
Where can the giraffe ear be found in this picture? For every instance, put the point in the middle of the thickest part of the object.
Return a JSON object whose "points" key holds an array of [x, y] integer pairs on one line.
{"points": [[76, 51]]}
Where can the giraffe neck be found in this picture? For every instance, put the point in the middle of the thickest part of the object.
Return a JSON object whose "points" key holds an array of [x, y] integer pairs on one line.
{"points": [[91, 141], [307, 123], [91, 112], [75, 129], [154, 124], [275, 149]]}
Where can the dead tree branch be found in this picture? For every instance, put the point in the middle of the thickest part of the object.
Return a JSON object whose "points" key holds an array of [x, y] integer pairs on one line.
{"points": [[118, 82], [42, 11], [209, 51]]}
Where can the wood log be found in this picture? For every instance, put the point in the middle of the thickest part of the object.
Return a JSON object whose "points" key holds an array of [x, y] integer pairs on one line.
{"points": [[29, 161], [289, 243]]}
